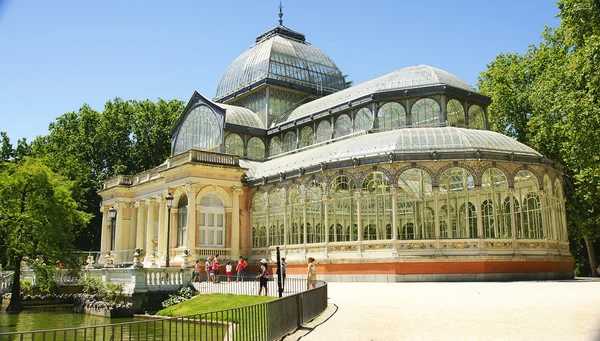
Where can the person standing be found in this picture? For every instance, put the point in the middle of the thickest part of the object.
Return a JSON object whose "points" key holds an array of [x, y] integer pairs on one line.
{"points": [[228, 271], [241, 268], [215, 268], [311, 274], [263, 276], [283, 273], [207, 267], [197, 271]]}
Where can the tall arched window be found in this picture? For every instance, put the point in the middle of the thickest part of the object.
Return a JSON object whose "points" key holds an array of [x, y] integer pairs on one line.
{"points": [[276, 217], [526, 189], [295, 209], [315, 213], [476, 117], [448, 224], [259, 220], [415, 199], [343, 126], [342, 208], [234, 145], [376, 206], [495, 218], [182, 221], [363, 120], [391, 115], [323, 131], [256, 148], [201, 130], [307, 137], [289, 141], [455, 113], [425, 111], [275, 146], [457, 189], [212, 221]]}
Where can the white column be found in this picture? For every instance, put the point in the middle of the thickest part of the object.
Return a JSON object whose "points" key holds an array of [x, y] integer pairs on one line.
{"points": [[235, 223], [479, 214], [542, 196], [104, 231], [326, 218], [436, 205], [513, 220], [359, 218], [162, 227], [395, 213], [150, 204], [133, 215], [304, 232], [141, 225], [119, 233], [191, 191]]}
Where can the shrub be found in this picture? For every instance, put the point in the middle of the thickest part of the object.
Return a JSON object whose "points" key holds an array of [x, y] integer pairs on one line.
{"points": [[182, 295]]}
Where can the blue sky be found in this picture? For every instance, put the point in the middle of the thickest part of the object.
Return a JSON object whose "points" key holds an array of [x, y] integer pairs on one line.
{"points": [[57, 55]]}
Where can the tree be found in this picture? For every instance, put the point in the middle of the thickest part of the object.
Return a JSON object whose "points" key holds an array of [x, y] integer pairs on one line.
{"points": [[558, 82], [37, 217]]}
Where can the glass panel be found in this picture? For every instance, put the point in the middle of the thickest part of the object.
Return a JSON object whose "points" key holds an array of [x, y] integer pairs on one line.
{"points": [[220, 240], [414, 205], [376, 206], [363, 120], [211, 219], [391, 115], [495, 218], [275, 146], [306, 137], [342, 210], [455, 113], [425, 111], [219, 220], [234, 145], [343, 126], [289, 141], [201, 130], [202, 219], [476, 117], [323, 131], [256, 148], [457, 189], [530, 217]]}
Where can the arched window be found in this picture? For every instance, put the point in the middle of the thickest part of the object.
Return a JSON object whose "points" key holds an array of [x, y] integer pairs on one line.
{"points": [[295, 209], [407, 232], [457, 188], [201, 130], [391, 115], [307, 137], [476, 117], [376, 206], [342, 208], [448, 225], [256, 148], [315, 213], [323, 131], [415, 199], [455, 113], [526, 189], [343, 126], [496, 220], [548, 216], [276, 217], [289, 141], [234, 145], [363, 120], [275, 146], [425, 111], [212, 221], [559, 211], [182, 221]]}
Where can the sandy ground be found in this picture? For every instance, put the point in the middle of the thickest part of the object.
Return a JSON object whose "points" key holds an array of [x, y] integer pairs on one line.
{"points": [[552, 310]]}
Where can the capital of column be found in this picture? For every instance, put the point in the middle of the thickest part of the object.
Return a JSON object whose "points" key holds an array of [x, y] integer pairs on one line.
{"points": [[191, 188], [237, 191], [138, 203], [150, 201], [121, 205]]}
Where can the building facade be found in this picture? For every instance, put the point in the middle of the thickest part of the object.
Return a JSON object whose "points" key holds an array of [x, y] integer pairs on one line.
{"points": [[395, 179]]}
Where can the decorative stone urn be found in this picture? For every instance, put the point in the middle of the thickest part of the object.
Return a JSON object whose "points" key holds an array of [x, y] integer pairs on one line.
{"points": [[109, 260], [90, 262], [137, 255], [186, 257]]}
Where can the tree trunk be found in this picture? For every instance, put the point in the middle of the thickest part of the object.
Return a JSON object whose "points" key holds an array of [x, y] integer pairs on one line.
{"points": [[589, 244], [15, 297]]}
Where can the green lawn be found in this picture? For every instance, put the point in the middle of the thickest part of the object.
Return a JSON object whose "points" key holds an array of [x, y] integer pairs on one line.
{"points": [[212, 302]]}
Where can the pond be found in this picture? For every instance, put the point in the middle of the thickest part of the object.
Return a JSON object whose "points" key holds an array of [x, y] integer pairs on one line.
{"points": [[57, 317]]}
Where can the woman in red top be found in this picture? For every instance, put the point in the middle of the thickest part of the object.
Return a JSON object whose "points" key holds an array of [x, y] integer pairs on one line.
{"points": [[215, 268], [241, 269]]}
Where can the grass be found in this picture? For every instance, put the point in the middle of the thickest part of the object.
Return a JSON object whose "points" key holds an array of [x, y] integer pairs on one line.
{"points": [[212, 302]]}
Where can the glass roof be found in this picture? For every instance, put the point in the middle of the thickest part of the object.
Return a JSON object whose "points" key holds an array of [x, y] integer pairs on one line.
{"points": [[408, 77], [241, 116], [399, 141], [280, 57]]}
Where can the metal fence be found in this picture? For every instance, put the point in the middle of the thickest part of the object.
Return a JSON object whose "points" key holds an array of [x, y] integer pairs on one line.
{"points": [[247, 285], [264, 321]]}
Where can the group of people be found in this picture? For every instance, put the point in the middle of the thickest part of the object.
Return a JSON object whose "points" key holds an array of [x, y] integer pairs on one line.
{"points": [[212, 269]]}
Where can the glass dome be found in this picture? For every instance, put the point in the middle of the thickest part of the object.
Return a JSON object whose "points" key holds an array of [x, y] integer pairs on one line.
{"points": [[282, 54], [405, 78]]}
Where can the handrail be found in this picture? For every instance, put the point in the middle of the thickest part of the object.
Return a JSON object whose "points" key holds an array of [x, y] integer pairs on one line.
{"points": [[253, 322]]}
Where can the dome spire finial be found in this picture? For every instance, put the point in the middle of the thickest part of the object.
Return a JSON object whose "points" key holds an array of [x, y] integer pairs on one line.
{"points": [[280, 14]]}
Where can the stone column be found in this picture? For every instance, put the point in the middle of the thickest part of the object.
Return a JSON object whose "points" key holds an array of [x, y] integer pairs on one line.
{"points": [[133, 214], [119, 233], [141, 224], [162, 227], [192, 226], [104, 231], [151, 205], [235, 222]]}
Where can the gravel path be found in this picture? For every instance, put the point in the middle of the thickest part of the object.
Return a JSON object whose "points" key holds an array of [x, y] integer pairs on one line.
{"points": [[552, 310]]}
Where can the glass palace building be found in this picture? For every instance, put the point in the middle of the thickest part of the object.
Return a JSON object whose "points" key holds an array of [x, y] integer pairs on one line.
{"points": [[395, 179]]}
